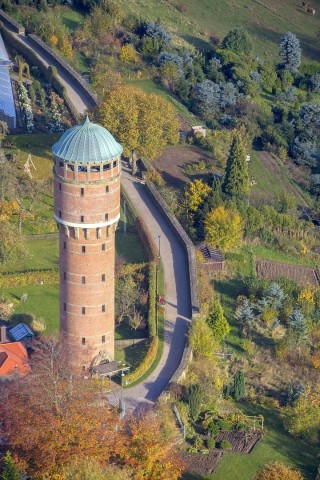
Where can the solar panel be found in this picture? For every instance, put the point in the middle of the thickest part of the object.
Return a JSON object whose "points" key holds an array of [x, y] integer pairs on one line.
{"points": [[7, 107]]}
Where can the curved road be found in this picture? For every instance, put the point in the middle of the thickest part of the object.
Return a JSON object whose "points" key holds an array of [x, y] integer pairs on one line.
{"points": [[177, 294]]}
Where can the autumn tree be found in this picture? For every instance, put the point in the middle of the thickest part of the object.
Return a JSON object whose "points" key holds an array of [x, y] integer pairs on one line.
{"points": [[236, 180], [141, 122], [302, 418], [278, 471], [218, 322], [201, 339], [93, 470], [11, 243], [128, 54], [196, 193], [223, 228]]}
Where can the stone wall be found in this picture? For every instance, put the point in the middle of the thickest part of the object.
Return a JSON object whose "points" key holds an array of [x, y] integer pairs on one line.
{"points": [[80, 82], [10, 23]]}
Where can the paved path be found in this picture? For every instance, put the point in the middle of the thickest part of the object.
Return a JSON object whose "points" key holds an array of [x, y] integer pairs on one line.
{"points": [[177, 295]]}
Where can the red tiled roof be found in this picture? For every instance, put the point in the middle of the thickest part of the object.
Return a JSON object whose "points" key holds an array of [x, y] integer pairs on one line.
{"points": [[13, 359]]}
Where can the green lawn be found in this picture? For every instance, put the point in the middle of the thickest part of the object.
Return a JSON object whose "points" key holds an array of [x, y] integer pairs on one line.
{"points": [[40, 255], [132, 356], [42, 302]]}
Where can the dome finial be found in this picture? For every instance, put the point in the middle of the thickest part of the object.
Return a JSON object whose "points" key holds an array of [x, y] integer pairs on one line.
{"points": [[87, 120]]}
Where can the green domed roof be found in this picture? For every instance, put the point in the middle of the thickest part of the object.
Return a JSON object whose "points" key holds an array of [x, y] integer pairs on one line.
{"points": [[87, 142]]}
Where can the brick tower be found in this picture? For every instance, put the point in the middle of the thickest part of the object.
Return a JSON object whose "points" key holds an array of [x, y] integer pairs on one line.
{"points": [[87, 172]]}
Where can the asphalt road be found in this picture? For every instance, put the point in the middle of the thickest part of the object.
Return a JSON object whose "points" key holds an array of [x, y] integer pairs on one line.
{"points": [[177, 295]]}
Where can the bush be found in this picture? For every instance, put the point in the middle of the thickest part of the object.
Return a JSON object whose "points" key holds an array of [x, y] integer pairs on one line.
{"points": [[224, 445], [224, 425], [213, 428], [211, 443], [29, 278], [145, 364]]}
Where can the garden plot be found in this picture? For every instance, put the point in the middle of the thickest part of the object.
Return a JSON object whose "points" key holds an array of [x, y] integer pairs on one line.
{"points": [[301, 275]]}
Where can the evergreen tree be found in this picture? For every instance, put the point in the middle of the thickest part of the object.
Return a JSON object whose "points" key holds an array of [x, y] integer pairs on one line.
{"points": [[9, 471], [218, 322], [236, 181], [239, 385], [238, 41], [245, 315], [194, 400], [290, 52], [299, 326]]}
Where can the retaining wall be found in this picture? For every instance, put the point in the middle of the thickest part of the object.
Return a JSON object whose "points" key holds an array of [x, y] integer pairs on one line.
{"points": [[10, 23]]}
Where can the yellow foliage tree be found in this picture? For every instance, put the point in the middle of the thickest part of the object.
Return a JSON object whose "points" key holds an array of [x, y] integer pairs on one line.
{"points": [[53, 39], [278, 471], [128, 54], [196, 192], [223, 228], [8, 208], [141, 122]]}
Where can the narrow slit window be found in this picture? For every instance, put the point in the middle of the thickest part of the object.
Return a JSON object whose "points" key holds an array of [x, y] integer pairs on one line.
{"points": [[115, 163], [107, 189], [103, 277], [60, 214], [64, 245], [83, 249], [59, 186], [106, 215], [83, 310], [83, 340], [83, 279], [103, 247], [103, 308], [103, 339], [82, 191], [82, 218]]}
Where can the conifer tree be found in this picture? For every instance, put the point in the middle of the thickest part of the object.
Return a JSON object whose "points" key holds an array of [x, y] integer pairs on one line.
{"points": [[218, 322], [239, 385], [236, 181], [9, 471], [194, 400], [290, 52]]}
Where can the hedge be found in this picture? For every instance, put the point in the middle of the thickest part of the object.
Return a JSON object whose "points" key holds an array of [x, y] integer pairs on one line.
{"points": [[152, 321], [12, 280], [145, 364], [147, 240]]}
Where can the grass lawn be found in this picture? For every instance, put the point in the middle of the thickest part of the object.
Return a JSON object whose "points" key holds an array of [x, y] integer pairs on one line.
{"points": [[275, 445], [123, 331], [40, 255], [132, 356], [42, 302]]}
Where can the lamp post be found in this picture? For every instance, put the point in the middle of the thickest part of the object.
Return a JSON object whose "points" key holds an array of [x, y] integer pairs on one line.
{"points": [[122, 410], [159, 239]]}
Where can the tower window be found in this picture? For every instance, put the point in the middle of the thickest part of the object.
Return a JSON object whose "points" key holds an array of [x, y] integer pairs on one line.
{"points": [[83, 249], [103, 277], [83, 310], [82, 191], [103, 339], [106, 216], [59, 186], [64, 276], [115, 163], [82, 218], [64, 245], [59, 213], [64, 306], [106, 166], [103, 308], [83, 340], [107, 189], [83, 279], [103, 247]]}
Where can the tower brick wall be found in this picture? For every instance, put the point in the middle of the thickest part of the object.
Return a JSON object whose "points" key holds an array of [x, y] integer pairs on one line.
{"points": [[87, 210]]}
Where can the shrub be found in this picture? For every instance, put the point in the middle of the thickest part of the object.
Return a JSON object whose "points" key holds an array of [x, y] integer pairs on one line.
{"points": [[145, 364], [29, 278], [211, 443], [194, 400], [213, 429], [278, 471], [224, 425], [224, 445]]}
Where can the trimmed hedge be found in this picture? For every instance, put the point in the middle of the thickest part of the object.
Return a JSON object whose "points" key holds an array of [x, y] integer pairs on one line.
{"points": [[152, 325], [12, 280], [145, 364], [147, 240]]}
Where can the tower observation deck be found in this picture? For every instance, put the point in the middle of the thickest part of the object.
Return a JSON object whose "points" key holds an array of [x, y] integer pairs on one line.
{"points": [[87, 172]]}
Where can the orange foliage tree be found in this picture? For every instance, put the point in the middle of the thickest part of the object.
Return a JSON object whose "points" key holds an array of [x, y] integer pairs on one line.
{"points": [[53, 417], [278, 471]]}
